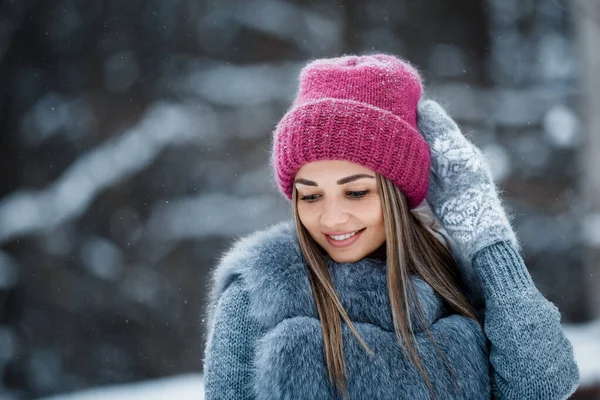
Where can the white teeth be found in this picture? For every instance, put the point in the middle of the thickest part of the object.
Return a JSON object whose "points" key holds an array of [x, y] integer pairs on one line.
{"points": [[343, 237]]}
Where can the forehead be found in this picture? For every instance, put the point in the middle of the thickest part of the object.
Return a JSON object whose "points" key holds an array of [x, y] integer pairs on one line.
{"points": [[334, 169]]}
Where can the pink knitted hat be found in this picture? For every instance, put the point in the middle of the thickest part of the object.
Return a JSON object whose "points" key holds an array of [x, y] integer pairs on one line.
{"points": [[359, 109]]}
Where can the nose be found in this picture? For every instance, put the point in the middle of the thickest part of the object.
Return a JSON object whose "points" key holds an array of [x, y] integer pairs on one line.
{"points": [[333, 216]]}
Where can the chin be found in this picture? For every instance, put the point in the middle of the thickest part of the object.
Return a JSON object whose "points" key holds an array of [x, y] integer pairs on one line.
{"points": [[345, 258]]}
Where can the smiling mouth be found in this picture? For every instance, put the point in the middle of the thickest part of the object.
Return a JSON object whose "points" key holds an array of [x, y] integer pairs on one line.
{"points": [[345, 236], [344, 240]]}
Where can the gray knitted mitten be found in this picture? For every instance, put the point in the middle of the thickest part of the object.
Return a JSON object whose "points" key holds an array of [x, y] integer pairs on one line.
{"points": [[461, 191]]}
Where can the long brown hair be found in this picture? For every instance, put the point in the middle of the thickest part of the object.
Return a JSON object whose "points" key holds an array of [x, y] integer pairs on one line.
{"points": [[411, 249]]}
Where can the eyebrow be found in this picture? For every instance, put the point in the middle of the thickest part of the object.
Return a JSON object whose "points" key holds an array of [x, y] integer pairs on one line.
{"points": [[341, 181]]}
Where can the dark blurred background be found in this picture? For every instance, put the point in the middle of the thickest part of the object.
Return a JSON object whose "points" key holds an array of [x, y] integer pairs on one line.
{"points": [[134, 146]]}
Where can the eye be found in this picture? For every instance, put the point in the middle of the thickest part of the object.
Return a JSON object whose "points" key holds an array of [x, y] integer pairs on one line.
{"points": [[311, 198], [357, 195]]}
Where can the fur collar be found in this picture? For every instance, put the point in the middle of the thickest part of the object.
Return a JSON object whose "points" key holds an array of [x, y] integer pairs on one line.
{"points": [[271, 266]]}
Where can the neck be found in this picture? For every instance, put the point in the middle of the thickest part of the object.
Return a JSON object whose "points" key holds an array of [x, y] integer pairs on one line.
{"points": [[380, 253]]}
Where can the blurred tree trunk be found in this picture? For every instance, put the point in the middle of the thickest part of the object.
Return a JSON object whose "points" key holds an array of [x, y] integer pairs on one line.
{"points": [[352, 26], [586, 21]]}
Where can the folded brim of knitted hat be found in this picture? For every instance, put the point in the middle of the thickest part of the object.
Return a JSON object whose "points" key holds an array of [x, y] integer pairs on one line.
{"points": [[336, 129]]}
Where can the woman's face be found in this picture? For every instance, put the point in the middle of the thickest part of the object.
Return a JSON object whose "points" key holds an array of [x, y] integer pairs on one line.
{"points": [[339, 205]]}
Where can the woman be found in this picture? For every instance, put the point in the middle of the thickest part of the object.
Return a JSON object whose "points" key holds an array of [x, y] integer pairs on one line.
{"points": [[359, 297]]}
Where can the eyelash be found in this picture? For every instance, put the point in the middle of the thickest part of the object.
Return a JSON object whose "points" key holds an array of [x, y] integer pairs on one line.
{"points": [[351, 195]]}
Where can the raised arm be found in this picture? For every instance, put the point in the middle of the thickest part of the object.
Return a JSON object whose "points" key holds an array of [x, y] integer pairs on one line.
{"points": [[230, 344], [529, 354]]}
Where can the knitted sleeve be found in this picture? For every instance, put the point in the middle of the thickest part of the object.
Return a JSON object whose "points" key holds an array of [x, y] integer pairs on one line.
{"points": [[530, 356], [229, 351]]}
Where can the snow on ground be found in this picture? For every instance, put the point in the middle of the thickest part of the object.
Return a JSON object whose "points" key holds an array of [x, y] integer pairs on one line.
{"points": [[586, 344], [585, 339], [183, 387]]}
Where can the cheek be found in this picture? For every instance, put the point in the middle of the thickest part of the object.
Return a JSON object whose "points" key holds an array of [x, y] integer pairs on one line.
{"points": [[377, 224], [310, 220], [378, 217], [306, 215], [371, 212]]}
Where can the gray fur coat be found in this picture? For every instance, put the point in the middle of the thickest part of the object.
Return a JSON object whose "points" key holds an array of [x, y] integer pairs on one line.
{"points": [[264, 338]]}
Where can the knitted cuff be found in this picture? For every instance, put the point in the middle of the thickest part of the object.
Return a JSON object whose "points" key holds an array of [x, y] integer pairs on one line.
{"points": [[502, 272]]}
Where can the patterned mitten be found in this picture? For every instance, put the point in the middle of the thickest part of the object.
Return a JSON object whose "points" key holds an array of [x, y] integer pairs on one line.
{"points": [[461, 191]]}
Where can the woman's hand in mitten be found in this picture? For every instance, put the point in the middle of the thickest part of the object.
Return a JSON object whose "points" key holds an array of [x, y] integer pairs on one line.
{"points": [[461, 191]]}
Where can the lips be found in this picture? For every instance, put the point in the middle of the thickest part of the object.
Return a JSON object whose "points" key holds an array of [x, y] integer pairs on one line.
{"points": [[346, 242]]}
